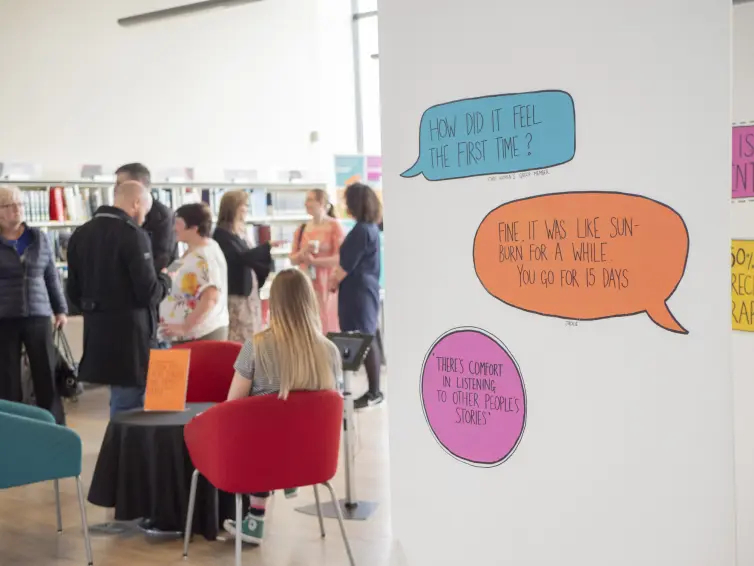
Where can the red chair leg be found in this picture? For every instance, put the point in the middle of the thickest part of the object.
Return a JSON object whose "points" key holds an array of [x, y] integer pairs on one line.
{"points": [[319, 512], [339, 513], [239, 526]]}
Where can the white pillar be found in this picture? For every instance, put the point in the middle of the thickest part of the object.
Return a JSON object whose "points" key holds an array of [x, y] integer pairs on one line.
{"points": [[742, 217], [626, 457]]}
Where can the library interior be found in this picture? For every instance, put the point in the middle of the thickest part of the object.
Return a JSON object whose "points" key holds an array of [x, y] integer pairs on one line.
{"points": [[208, 357]]}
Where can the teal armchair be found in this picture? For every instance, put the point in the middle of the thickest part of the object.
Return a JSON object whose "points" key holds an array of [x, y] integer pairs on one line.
{"points": [[35, 449]]}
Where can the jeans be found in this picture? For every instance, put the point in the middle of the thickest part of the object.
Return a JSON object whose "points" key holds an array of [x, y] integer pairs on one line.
{"points": [[125, 399]]}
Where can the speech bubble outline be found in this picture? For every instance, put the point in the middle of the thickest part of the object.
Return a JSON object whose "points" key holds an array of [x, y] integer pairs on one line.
{"points": [[568, 147], [660, 315], [502, 348]]}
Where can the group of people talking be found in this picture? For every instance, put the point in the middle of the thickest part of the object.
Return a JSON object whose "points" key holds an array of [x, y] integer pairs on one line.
{"points": [[136, 294]]}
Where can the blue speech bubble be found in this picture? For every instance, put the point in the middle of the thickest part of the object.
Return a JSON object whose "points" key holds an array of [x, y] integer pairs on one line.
{"points": [[506, 133]]}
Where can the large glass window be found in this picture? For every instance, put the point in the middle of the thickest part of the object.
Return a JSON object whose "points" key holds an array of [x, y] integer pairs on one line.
{"points": [[370, 79], [367, 5]]}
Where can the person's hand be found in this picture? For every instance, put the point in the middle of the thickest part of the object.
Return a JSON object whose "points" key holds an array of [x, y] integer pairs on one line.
{"points": [[305, 256], [173, 330], [60, 320]]}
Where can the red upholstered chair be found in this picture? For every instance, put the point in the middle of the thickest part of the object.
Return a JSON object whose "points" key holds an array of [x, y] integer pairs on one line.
{"points": [[210, 370], [297, 446]]}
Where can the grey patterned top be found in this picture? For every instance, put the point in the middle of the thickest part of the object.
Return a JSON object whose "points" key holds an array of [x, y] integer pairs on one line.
{"points": [[263, 384]]}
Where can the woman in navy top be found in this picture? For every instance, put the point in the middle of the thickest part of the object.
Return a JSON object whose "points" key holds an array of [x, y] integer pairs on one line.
{"points": [[357, 280]]}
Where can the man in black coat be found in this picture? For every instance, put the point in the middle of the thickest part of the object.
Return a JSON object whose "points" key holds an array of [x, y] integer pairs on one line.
{"points": [[113, 281], [160, 221]]}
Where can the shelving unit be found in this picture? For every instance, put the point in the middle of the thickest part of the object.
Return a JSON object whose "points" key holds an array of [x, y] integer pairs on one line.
{"points": [[277, 205]]}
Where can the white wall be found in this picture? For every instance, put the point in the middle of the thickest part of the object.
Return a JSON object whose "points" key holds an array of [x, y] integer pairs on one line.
{"points": [[742, 227], [627, 457], [241, 87]]}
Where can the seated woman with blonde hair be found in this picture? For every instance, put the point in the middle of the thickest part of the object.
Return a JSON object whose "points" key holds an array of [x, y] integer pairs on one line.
{"points": [[291, 355]]}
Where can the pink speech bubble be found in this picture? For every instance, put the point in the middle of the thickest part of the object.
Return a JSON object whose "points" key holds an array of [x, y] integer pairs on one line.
{"points": [[474, 397], [743, 161]]}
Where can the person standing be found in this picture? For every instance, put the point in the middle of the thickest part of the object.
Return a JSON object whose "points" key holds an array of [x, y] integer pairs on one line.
{"points": [[248, 267], [30, 294], [113, 281], [316, 250], [159, 222], [357, 280], [197, 306]]}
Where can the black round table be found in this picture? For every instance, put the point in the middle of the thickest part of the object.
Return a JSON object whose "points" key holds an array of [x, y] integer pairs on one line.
{"points": [[144, 471]]}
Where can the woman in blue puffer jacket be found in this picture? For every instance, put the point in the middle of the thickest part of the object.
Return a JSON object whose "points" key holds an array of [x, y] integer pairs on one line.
{"points": [[30, 295]]}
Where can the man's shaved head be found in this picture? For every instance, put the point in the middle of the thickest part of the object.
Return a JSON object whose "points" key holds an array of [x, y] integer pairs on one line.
{"points": [[129, 189], [134, 199]]}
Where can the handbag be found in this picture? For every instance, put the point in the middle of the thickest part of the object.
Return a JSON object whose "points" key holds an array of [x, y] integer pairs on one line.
{"points": [[66, 369]]}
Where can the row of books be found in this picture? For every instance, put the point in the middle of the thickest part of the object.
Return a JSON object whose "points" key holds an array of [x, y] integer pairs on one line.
{"points": [[64, 204], [260, 202], [78, 203]]}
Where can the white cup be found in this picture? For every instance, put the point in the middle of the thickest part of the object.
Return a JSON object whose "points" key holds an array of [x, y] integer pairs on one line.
{"points": [[314, 246]]}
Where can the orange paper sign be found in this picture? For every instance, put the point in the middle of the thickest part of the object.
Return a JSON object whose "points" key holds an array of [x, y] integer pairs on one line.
{"points": [[167, 380], [584, 256]]}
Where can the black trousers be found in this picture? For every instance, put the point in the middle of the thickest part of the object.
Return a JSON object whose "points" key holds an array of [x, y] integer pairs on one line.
{"points": [[35, 334]]}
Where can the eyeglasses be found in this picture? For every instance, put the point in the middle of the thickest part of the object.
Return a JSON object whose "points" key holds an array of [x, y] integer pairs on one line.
{"points": [[13, 205]]}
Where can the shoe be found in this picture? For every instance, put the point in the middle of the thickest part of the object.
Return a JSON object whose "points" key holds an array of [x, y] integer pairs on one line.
{"points": [[291, 493], [252, 529], [368, 400]]}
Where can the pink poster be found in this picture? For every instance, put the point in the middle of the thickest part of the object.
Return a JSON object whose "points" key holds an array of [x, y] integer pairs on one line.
{"points": [[473, 397], [374, 169], [743, 161]]}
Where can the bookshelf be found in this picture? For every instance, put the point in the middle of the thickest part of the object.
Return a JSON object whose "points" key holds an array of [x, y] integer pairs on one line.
{"points": [[59, 207]]}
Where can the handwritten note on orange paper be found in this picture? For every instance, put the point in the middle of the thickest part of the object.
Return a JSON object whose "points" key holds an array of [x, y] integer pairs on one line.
{"points": [[167, 380]]}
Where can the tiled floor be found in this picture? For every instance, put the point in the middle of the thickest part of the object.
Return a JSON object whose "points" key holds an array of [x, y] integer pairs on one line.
{"points": [[27, 515]]}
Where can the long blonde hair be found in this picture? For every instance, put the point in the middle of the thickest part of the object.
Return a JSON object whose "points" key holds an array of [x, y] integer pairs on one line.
{"points": [[228, 213], [293, 347]]}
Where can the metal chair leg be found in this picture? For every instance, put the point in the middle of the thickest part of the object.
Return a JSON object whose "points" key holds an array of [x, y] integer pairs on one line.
{"points": [[57, 507], [319, 511], [84, 521], [190, 516], [239, 526], [339, 513]]}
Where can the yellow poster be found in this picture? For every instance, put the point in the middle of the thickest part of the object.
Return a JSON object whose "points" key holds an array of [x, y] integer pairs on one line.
{"points": [[742, 284]]}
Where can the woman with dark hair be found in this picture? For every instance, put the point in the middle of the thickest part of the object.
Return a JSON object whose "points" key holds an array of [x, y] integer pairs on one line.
{"points": [[248, 267], [316, 250], [357, 280], [197, 306]]}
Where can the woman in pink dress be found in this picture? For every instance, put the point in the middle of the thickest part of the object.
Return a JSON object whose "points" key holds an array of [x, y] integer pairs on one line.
{"points": [[316, 250]]}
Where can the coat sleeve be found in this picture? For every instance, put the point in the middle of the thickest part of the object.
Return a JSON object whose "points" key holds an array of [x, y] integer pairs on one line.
{"points": [[149, 286], [259, 258], [163, 241], [52, 281], [72, 282]]}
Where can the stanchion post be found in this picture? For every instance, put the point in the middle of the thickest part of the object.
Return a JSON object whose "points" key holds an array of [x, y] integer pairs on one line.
{"points": [[353, 348]]}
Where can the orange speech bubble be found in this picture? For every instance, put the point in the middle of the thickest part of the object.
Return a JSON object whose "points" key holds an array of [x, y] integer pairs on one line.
{"points": [[584, 256]]}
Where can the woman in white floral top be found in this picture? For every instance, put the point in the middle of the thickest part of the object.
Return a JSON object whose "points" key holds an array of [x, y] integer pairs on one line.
{"points": [[197, 306]]}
